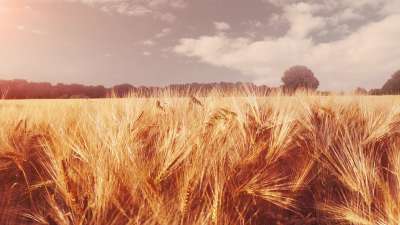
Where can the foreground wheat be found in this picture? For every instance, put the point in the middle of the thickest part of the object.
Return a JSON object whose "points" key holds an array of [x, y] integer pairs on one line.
{"points": [[275, 160]]}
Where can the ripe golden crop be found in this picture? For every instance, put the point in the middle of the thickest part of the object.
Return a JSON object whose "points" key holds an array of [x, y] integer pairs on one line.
{"points": [[215, 160]]}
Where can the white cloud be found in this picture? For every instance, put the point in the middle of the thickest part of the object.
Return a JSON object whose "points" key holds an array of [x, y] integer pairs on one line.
{"points": [[222, 26], [146, 53], [359, 59], [302, 21], [383, 7], [359, 56], [166, 17], [178, 4], [149, 43], [253, 23], [164, 32], [134, 10], [392, 7], [158, 9]]}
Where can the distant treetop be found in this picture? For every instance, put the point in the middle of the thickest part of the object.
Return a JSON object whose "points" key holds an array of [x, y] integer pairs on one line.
{"points": [[300, 77], [393, 84]]}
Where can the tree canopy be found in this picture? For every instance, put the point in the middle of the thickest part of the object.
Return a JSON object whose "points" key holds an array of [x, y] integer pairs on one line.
{"points": [[393, 84], [300, 77]]}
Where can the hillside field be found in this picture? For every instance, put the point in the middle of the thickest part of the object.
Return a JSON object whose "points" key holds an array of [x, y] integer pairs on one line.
{"points": [[197, 161]]}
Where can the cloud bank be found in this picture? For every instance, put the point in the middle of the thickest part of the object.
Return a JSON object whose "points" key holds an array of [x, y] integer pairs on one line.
{"points": [[369, 52], [158, 9]]}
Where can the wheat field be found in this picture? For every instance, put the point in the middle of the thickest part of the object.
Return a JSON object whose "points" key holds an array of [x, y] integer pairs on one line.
{"points": [[216, 160]]}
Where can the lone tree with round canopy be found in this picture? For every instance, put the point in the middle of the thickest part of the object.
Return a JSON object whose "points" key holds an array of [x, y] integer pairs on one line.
{"points": [[393, 84], [299, 77]]}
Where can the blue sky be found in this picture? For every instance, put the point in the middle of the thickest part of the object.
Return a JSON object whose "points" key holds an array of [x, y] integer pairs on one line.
{"points": [[157, 42]]}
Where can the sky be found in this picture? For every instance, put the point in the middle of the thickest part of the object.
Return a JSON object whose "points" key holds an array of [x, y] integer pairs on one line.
{"points": [[346, 43]]}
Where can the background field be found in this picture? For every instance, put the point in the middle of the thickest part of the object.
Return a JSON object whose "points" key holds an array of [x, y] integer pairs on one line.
{"points": [[273, 160]]}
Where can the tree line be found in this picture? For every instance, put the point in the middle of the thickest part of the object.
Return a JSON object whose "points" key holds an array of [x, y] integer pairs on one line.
{"points": [[302, 77], [22, 89], [296, 77]]}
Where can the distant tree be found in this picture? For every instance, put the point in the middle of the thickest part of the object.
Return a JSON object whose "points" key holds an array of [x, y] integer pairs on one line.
{"points": [[299, 77], [360, 91], [122, 90], [375, 92], [393, 84]]}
